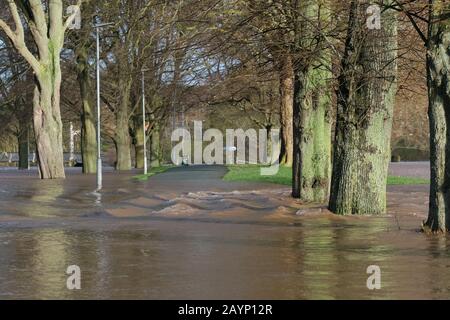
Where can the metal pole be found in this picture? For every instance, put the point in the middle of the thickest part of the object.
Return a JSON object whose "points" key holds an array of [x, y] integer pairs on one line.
{"points": [[99, 157], [143, 123], [71, 144], [28, 146]]}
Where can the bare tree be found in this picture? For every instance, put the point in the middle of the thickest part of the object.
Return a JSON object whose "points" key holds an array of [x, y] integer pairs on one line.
{"points": [[47, 26]]}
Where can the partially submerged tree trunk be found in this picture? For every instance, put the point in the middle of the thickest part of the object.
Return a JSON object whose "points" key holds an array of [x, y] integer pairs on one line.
{"points": [[367, 89], [88, 130], [82, 40], [438, 74], [312, 139], [311, 119], [47, 29], [286, 109]]}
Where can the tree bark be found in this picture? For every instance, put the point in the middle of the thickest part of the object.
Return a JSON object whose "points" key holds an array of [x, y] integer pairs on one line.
{"points": [[312, 139], [311, 121], [286, 109], [47, 122], [23, 142], [438, 74], [366, 96], [122, 139], [88, 130], [122, 143], [155, 153], [139, 142]]}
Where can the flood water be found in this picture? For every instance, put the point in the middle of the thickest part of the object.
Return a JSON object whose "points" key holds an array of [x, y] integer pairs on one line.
{"points": [[186, 234]]}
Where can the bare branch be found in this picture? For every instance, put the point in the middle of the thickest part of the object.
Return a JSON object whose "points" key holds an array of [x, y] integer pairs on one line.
{"points": [[17, 37]]}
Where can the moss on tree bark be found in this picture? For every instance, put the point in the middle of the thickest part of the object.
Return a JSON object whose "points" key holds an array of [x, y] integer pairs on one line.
{"points": [[438, 75], [312, 103], [366, 95]]}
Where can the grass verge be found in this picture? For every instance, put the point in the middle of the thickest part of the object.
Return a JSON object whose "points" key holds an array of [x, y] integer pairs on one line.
{"points": [[152, 172], [284, 176]]}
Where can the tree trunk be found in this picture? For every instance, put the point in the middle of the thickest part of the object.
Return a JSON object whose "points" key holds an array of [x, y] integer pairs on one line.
{"points": [[311, 121], [366, 96], [286, 109], [47, 122], [123, 145], [23, 141], [88, 130], [122, 139], [438, 71], [155, 154], [139, 142], [312, 128]]}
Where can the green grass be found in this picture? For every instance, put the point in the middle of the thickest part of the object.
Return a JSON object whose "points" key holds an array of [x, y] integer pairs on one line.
{"points": [[284, 176], [152, 172], [392, 180]]}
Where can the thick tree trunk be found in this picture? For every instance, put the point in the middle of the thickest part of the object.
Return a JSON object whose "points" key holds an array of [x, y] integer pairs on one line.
{"points": [[438, 69], [139, 142], [311, 121], [312, 139], [286, 109], [88, 130], [123, 146], [47, 122], [155, 153], [367, 89], [23, 142], [122, 139]]}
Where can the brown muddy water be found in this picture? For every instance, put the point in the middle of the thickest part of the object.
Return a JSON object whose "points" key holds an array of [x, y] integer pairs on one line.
{"points": [[186, 234]]}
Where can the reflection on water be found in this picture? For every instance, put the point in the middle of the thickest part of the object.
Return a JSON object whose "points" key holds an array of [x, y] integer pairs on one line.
{"points": [[211, 245]]}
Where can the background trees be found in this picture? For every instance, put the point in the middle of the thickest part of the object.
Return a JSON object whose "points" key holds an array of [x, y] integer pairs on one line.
{"points": [[15, 93]]}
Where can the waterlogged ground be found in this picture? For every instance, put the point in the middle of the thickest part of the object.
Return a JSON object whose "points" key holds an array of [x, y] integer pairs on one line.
{"points": [[186, 234]]}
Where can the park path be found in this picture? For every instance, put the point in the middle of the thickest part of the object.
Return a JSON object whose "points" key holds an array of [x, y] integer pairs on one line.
{"points": [[420, 169]]}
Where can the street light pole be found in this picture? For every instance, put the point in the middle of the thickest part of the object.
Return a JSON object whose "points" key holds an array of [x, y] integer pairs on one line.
{"points": [[99, 156], [143, 121]]}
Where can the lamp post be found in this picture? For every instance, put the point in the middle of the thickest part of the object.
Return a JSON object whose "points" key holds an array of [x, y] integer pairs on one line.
{"points": [[143, 120], [99, 156]]}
